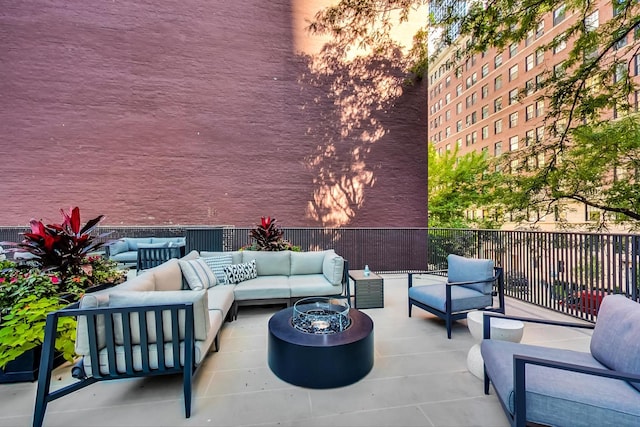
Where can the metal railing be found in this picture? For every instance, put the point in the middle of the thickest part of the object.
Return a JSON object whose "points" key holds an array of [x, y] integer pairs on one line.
{"points": [[563, 271]]}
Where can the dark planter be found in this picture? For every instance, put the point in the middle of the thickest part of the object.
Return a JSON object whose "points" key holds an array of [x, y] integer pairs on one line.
{"points": [[25, 367]]}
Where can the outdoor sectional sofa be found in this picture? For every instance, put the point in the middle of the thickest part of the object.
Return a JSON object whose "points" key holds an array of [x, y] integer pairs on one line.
{"points": [[129, 330]]}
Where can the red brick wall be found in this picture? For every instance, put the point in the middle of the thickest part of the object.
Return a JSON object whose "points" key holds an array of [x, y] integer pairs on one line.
{"points": [[198, 112]]}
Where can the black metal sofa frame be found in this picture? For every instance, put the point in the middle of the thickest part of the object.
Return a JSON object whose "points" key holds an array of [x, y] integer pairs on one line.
{"points": [[44, 395]]}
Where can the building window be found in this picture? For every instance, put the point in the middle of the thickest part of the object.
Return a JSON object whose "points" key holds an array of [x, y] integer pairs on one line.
{"points": [[513, 119], [497, 82], [558, 70], [474, 78], [497, 126], [621, 72], [458, 125], [539, 107], [485, 111], [447, 99], [513, 96], [459, 107], [592, 21], [636, 65], [447, 115], [558, 15], [529, 87], [459, 142], [497, 61], [528, 62], [621, 43], [497, 148], [447, 81], [474, 137], [447, 132], [539, 81], [636, 101], [474, 117], [497, 104], [469, 82], [529, 39], [458, 90], [528, 112], [539, 56], [513, 143], [540, 134], [485, 91], [513, 73], [485, 132], [530, 137], [468, 101], [485, 70], [540, 29], [448, 147], [513, 50]]}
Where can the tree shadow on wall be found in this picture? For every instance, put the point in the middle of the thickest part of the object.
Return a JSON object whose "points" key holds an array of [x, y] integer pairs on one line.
{"points": [[350, 104]]}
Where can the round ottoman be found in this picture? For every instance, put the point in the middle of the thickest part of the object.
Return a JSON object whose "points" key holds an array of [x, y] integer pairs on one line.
{"points": [[501, 329]]}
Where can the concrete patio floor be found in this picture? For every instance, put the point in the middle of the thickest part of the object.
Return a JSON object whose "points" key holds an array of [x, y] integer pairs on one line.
{"points": [[419, 378]]}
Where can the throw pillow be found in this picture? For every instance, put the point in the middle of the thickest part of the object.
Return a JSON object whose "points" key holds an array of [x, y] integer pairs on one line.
{"points": [[217, 265], [198, 274], [236, 273]]}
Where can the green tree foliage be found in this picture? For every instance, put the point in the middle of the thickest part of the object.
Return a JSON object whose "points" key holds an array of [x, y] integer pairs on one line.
{"points": [[457, 183]]}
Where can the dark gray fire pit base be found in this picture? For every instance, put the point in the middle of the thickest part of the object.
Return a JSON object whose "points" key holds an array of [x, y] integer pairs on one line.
{"points": [[320, 360]]}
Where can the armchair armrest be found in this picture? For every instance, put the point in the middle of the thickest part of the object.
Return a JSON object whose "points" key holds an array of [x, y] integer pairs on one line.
{"points": [[432, 272], [519, 380], [488, 315]]}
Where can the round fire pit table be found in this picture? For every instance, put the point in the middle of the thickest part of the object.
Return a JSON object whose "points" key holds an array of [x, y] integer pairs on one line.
{"points": [[320, 360]]}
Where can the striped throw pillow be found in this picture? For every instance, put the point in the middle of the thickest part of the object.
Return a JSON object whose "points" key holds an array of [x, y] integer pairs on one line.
{"points": [[198, 274], [217, 264]]}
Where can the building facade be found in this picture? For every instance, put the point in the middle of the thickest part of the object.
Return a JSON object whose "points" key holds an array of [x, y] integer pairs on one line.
{"points": [[492, 103]]}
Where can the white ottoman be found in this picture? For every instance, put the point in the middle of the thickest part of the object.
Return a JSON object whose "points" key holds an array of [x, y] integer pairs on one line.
{"points": [[501, 329]]}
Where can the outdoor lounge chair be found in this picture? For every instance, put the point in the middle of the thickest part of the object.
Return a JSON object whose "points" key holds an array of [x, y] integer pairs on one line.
{"points": [[467, 284]]}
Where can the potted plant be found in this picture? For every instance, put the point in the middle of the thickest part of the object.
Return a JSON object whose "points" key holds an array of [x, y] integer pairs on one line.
{"points": [[268, 236], [59, 271]]}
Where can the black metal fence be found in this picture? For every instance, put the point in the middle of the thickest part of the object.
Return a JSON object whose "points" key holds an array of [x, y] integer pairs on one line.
{"points": [[567, 272], [563, 271]]}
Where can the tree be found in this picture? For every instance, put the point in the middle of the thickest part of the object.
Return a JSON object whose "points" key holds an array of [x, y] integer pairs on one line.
{"points": [[595, 78], [456, 184]]}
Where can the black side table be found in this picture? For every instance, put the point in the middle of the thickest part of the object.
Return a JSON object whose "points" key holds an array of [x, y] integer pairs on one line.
{"points": [[368, 290]]}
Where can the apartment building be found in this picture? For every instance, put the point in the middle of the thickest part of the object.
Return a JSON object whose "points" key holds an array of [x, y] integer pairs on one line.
{"points": [[492, 102]]}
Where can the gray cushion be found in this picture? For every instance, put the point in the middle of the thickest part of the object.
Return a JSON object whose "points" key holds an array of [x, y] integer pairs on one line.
{"points": [[236, 273], [462, 297], [197, 273], [461, 269], [616, 337], [217, 264], [175, 241], [307, 262], [562, 398], [270, 263], [131, 299], [125, 257], [236, 256], [167, 276], [312, 285], [153, 245], [117, 247], [82, 337], [263, 287], [220, 298], [133, 242], [333, 267]]}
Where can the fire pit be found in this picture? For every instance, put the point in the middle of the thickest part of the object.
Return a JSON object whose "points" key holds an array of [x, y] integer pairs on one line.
{"points": [[320, 343]]}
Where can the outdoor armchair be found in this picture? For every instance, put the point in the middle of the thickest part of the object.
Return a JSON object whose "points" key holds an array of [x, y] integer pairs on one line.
{"points": [[467, 284]]}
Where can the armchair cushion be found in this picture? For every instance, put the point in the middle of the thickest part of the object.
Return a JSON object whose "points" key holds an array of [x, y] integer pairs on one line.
{"points": [[132, 299], [615, 350], [332, 267], [461, 269], [462, 297]]}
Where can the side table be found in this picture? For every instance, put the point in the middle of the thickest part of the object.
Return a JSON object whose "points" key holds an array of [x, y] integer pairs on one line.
{"points": [[501, 329], [368, 290]]}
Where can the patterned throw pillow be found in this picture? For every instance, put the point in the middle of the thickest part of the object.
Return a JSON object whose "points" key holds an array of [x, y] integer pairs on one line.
{"points": [[236, 273], [217, 265], [198, 274]]}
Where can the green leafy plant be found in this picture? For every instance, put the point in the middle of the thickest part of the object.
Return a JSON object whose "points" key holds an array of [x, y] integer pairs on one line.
{"points": [[268, 236]]}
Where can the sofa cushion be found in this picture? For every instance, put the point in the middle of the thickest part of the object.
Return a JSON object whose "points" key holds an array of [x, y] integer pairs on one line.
{"points": [[307, 262], [133, 242], [461, 269], [236, 273], [198, 274], [557, 397], [616, 335], [270, 263], [153, 245], [312, 285], [117, 247], [191, 255], [167, 276], [125, 257], [217, 264], [333, 267], [236, 256], [132, 299], [263, 287], [144, 282], [171, 241], [221, 299], [82, 337]]}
